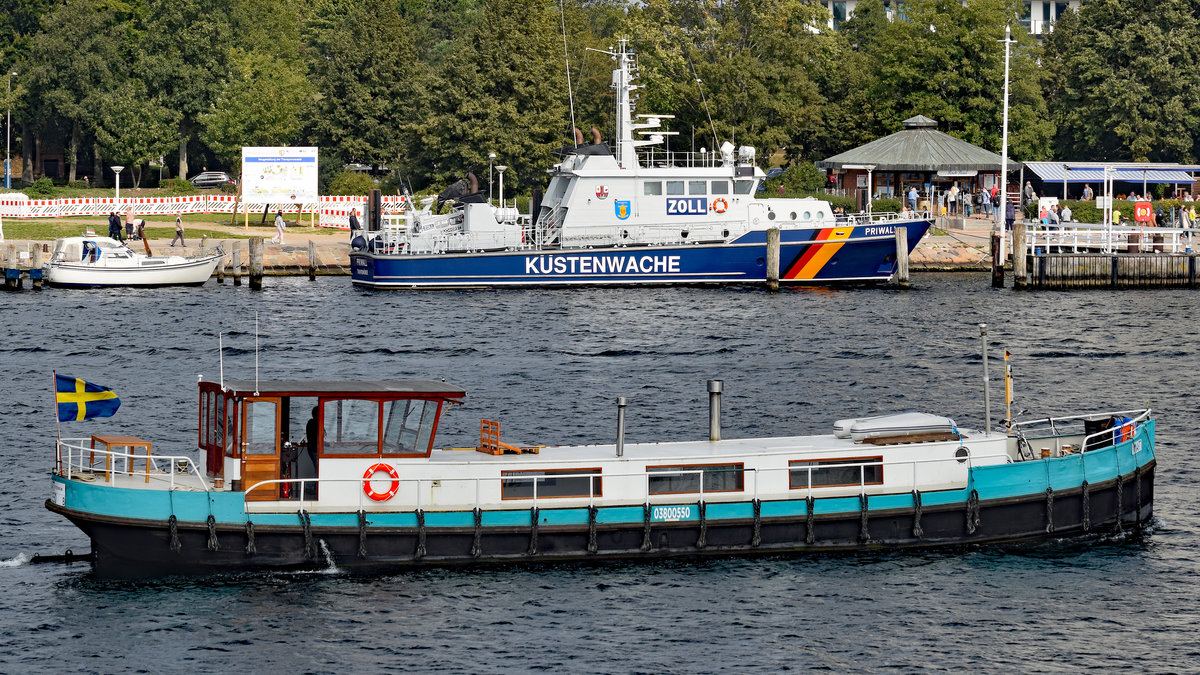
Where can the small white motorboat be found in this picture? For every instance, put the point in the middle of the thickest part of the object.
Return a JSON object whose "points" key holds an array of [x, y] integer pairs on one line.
{"points": [[103, 261]]}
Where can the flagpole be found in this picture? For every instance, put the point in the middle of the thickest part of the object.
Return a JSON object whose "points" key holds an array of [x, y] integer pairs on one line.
{"points": [[57, 425]]}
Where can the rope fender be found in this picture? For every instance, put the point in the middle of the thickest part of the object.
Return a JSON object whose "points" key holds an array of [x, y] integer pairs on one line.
{"points": [[1120, 504], [362, 533], [973, 512], [646, 527], [534, 517], [1049, 510], [864, 533], [213, 544], [756, 537], [420, 553], [809, 535], [1087, 507], [591, 543], [700, 543], [1137, 482], [173, 528], [250, 548], [306, 525], [917, 530], [476, 549]]}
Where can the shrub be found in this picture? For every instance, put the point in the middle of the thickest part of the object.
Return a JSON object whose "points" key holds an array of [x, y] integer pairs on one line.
{"points": [[175, 187], [42, 188], [886, 205], [77, 184], [803, 177], [351, 183], [228, 188]]}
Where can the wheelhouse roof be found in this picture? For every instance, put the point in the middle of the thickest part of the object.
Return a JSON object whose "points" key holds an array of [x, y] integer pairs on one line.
{"points": [[383, 388]]}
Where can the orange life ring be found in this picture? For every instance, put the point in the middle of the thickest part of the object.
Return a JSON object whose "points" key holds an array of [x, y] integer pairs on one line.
{"points": [[1127, 431], [719, 205], [381, 496]]}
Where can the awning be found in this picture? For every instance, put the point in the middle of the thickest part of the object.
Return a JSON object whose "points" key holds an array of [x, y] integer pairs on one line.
{"points": [[1056, 172]]}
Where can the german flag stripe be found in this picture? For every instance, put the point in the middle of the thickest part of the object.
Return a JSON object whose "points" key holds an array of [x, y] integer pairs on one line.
{"points": [[825, 245]]}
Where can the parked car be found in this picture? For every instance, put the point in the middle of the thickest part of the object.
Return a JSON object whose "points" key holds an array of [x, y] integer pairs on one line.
{"points": [[211, 179]]}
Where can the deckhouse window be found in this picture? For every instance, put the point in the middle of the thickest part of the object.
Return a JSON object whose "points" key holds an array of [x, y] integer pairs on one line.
{"points": [[697, 187], [652, 187], [742, 187], [667, 480], [674, 187], [719, 187], [550, 483], [836, 472], [351, 427], [408, 425]]}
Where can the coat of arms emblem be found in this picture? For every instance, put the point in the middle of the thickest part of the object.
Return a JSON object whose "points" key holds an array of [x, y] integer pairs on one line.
{"points": [[602, 191]]}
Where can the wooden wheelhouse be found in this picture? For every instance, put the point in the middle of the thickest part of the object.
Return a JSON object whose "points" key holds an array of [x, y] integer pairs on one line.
{"points": [[273, 430]]}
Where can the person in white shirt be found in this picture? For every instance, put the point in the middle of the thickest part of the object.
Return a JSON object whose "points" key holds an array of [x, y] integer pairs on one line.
{"points": [[1066, 214]]}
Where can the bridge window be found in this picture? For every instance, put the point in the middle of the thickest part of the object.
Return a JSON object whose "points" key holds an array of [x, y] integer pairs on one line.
{"points": [[851, 471], [408, 425], [674, 187], [743, 187], [697, 187], [550, 483], [719, 187], [678, 479], [351, 427], [652, 187]]}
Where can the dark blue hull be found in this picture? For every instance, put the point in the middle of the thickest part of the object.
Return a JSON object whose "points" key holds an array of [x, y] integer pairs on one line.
{"points": [[847, 253]]}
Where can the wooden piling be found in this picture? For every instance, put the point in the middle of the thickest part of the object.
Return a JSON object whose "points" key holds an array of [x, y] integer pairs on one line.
{"points": [[12, 275], [997, 263], [1019, 257], [773, 259], [902, 256], [35, 265], [312, 261], [256, 263], [221, 269], [237, 263]]}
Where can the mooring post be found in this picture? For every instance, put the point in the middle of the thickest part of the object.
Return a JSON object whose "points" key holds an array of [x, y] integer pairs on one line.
{"points": [[714, 409], [1019, 258], [620, 426], [997, 263], [237, 263], [12, 275], [312, 261], [220, 267], [256, 263], [902, 256], [35, 265], [773, 259]]}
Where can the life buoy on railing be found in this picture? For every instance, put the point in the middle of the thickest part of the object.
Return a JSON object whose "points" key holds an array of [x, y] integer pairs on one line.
{"points": [[720, 205], [381, 496], [1127, 430]]}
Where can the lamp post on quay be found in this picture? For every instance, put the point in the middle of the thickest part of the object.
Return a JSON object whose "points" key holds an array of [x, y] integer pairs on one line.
{"points": [[117, 200], [8, 137]]}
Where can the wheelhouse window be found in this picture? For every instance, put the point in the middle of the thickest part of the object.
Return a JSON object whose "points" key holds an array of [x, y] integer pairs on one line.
{"points": [[351, 427], [550, 483], [719, 187], [742, 187], [408, 426], [674, 187], [697, 187], [851, 471], [667, 480], [652, 187]]}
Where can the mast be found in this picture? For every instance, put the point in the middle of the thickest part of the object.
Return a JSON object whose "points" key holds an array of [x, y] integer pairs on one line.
{"points": [[622, 82]]}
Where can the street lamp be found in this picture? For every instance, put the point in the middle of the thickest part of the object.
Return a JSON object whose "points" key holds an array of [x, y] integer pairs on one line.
{"points": [[491, 158], [8, 137], [501, 168], [117, 201]]}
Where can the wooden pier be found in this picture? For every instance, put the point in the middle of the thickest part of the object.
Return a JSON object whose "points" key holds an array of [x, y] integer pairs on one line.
{"points": [[1060, 259]]}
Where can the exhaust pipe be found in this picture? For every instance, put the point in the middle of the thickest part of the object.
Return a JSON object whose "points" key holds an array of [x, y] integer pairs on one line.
{"points": [[620, 426], [714, 410]]}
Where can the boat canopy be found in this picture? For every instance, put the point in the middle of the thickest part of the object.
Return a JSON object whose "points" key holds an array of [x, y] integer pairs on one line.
{"points": [[381, 389]]}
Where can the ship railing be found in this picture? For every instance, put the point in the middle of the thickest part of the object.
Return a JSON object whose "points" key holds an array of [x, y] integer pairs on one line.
{"points": [[657, 158], [76, 459], [1042, 238], [885, 217], [801, 490], [1094, 441]]}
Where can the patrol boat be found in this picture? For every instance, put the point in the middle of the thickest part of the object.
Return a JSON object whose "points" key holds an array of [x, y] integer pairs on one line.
{"points": [[639, 215], [347, 475]]}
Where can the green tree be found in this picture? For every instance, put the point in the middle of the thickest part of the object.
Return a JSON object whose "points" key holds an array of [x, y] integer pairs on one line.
{"points": [[184, 59], [135, 128], [1115, 85]]}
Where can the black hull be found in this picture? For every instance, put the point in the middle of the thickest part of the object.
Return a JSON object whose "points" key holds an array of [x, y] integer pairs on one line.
{"points": [[125, 547]]}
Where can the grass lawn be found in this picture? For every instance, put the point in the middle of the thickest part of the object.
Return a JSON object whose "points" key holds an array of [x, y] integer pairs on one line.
{"points": [[157, 227]]}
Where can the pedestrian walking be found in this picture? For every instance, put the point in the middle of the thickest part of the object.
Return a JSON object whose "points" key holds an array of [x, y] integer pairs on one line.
{"points": [[179, 231], [114, 226], [279, 226]]}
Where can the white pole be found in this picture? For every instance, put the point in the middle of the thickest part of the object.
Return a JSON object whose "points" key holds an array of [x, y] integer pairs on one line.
{"points": [[501, 168], [1004, 150], [869, 192], [8, 139]]}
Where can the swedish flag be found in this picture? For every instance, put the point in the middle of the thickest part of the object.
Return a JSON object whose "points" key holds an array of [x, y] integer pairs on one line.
{"points": [[81, 400]]}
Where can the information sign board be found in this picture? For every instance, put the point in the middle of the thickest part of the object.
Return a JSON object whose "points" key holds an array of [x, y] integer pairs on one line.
{"points": [[279, 175]]}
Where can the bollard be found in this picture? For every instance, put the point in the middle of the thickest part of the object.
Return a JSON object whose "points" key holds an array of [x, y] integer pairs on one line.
{"points": [[256, 263], [1019, 257], [237, 263], [714, 410], [220, 268], [312, 261], [12, 275], [902, 256], [773, 259], [620, 426]]}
